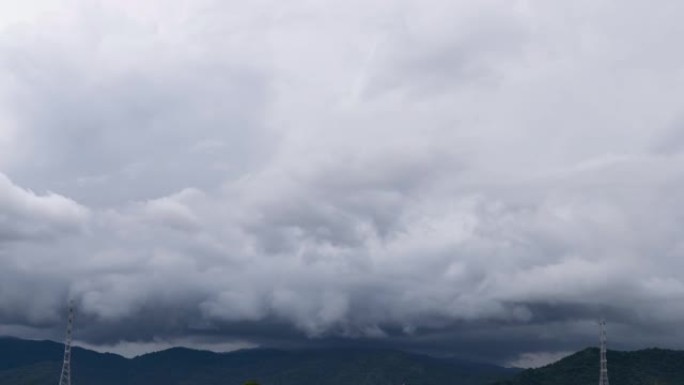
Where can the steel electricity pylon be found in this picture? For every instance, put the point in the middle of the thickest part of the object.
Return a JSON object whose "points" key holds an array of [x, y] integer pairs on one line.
{"points": [[603, 378], [65, 377]]}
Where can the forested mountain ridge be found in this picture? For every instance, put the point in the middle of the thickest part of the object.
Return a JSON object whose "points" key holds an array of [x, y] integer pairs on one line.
{"points": [[25, 362], [642, 367]]}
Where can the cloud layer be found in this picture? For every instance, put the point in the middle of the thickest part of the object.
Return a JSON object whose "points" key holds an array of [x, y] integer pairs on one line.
{"points": [[483, 179]]}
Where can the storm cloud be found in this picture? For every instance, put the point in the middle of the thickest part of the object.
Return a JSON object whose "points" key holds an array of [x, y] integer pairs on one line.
{"points": [[482, 179]]}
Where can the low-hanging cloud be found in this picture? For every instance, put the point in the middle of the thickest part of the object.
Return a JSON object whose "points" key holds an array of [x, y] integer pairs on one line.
{"points": [[482, 179]]}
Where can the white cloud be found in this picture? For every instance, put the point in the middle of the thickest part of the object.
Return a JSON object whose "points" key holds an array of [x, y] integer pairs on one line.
{"points": [[344, 169], [27, 215]]}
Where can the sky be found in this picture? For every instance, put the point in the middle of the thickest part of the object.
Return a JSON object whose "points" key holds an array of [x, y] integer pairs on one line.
{"points": [[480, 179]]}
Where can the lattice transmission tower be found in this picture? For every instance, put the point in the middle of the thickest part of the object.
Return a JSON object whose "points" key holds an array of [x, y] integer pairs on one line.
{"points": [[603, 378], [65, 377]]}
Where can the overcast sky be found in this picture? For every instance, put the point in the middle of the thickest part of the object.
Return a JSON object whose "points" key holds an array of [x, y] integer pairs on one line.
{"points": [[477, 178]]}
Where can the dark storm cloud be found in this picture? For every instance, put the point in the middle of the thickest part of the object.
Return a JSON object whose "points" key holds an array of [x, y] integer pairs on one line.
{"points": [[476, 179]]}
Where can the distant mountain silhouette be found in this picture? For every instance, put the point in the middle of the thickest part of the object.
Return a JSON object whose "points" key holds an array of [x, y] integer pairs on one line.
{"points": [[643, 367], [25, 362]]}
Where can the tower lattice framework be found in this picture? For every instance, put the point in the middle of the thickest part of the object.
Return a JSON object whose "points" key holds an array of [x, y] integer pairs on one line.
{"points": [[65, 377], [603, 378]]}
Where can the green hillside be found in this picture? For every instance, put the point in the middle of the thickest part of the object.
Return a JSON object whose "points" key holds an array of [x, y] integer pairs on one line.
{"points": [[38, 363], [643, 367]]}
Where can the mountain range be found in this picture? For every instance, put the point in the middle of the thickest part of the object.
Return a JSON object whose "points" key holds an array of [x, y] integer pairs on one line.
{"points": [[24, 362]]}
